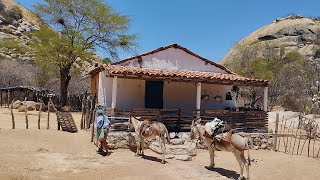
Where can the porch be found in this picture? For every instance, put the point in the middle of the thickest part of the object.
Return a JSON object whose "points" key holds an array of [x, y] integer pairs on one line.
{"points": [[176, 121], [175, 97]]}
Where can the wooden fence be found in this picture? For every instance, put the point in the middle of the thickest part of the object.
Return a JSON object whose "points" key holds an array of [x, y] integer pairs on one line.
{"points": [[176, 121], [35, 94], [241, 121], [300, 137]]}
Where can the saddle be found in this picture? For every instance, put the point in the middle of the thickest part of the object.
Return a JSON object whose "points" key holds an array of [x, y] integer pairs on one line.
{"points": [[219, 133]]}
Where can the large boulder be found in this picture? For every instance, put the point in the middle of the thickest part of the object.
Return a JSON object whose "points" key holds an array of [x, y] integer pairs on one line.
{"points": [[282, 36], [16, 104], [21, 108], [31, 105], [43, 108], [52, 108]]}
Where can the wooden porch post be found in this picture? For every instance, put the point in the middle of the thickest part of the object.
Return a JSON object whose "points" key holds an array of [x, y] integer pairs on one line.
{"points": [[198, 102], [114, 92], [265, 99]]}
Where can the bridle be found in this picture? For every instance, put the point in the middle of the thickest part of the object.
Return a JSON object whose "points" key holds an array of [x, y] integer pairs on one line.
{"points": [[130, 120], [197, 129]]}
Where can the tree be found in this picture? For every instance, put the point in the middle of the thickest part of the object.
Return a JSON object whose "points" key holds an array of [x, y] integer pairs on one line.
{"points": [[290, 75], [84, 26]]}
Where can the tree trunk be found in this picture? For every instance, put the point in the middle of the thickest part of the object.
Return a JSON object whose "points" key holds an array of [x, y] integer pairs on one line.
{"points": [[64, 83]]}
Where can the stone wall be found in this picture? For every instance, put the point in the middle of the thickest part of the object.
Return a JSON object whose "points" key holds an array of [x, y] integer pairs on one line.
{"points": [[183, 144], [259, 140], [181, 148]]}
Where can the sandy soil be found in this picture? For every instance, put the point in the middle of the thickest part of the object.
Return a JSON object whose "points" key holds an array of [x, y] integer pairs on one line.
{"points": [[52, 154]]}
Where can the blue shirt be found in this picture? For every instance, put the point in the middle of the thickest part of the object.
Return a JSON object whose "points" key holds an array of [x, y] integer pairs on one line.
{"points": [[106, 123]]}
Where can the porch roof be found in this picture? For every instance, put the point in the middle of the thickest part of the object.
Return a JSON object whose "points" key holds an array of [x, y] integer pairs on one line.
{"points": [[187, 76]]}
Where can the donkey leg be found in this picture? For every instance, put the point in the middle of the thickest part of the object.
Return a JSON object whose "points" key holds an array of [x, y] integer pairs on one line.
{"points": [[211, 151], [238, 157], [142, 146], [161, 144], [245, 164], [138, 147]]}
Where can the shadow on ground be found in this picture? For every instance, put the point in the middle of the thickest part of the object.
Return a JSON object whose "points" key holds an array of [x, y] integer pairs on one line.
{"points": [[151, 158], [225, 172], [105, 153]]}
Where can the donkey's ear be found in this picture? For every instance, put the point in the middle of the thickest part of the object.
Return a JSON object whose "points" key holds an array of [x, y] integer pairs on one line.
{"points": [[198, 121], [192, 124]]}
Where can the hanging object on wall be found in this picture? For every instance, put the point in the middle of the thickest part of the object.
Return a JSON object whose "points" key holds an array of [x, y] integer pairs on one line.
{"points": [[205, 97], [228, 96], [217, 98]]}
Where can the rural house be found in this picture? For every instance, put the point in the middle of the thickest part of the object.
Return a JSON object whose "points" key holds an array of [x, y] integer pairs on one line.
{"points": [[168, 78]]}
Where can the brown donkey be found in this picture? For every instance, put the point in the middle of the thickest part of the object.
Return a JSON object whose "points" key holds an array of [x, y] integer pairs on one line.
{"points": [[230, 142], [150, 130]]}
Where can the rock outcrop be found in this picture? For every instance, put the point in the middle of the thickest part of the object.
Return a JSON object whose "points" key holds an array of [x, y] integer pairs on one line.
{"points": [[19, 28], [282, 36]]}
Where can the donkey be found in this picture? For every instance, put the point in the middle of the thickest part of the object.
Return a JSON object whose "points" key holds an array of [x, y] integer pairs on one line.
{"points": [[230, 142], [151, 130]]}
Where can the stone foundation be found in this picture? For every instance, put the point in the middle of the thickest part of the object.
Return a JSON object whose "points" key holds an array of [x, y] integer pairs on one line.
{"points": [[259, 140], [182, 147]]}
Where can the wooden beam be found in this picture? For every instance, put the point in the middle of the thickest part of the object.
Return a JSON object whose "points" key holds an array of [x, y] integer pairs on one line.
{"points": [[198, 99], [265, 99], [26, 113], [114, 91]]}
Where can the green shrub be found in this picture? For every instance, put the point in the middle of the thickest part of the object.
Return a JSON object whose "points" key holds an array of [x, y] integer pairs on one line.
{"points": [[15, 13]]}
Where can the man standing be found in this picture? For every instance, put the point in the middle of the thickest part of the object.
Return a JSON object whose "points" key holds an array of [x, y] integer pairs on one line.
{"points": [[103, 125]]}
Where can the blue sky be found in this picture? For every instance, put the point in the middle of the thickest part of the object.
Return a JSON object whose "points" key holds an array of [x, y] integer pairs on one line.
{"points": [[209, 28]]}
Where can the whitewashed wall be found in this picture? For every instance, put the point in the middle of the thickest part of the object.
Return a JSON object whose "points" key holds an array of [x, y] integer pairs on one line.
{"points": [[216, 90], [131, 94], [173, 59], [104, 90], [180, 95]]}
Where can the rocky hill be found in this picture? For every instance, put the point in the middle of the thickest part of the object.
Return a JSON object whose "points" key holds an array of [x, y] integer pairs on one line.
{"points": [[16, 22], [286, 34]]}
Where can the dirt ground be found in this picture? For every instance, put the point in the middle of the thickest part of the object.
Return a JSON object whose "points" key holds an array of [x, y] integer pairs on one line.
{"points": [[51, 154]]}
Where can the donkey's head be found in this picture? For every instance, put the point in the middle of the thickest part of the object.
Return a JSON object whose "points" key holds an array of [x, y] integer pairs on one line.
{"points": [[195, 128], [130, 125]]}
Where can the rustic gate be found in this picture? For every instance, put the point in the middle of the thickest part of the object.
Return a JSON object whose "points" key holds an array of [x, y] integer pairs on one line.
{"points": [[297, 137]]}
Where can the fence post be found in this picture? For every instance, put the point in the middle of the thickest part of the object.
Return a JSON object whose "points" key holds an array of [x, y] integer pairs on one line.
{"points": [[26, 113], [93, 123], [82, 112], [13, 123], [1, 98], [48, 123], [276, 133], [39, 115], [8, 97]]}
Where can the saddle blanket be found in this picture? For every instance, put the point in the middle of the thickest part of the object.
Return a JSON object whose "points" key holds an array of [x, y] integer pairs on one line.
{"points": [[210, 127]]}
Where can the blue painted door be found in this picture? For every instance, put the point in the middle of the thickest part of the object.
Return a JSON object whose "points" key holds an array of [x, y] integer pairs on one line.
{"points": [[154, 94]]}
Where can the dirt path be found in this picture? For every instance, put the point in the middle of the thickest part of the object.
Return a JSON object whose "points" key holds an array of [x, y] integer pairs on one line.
{"points": [[51, 154]]}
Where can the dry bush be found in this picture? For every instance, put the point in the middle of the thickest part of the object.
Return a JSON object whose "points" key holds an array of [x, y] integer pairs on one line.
{"points": [[13, 73], [16, 73]]}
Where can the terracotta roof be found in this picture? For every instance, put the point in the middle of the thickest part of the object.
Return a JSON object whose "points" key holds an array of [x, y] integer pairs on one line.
{"points": [[178, 47], [206, 77]]}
